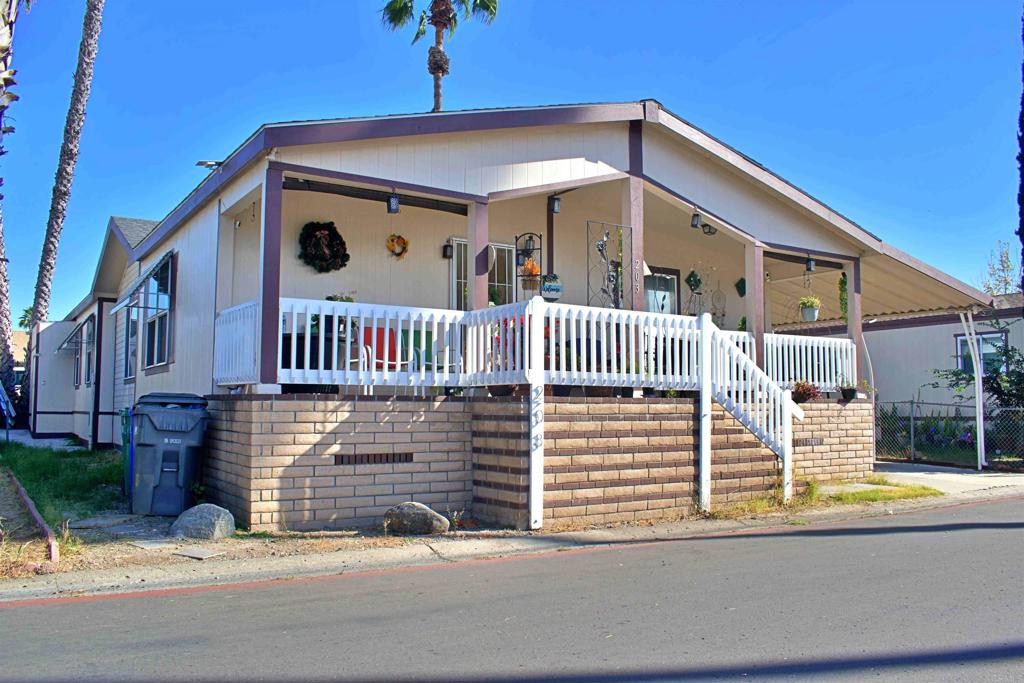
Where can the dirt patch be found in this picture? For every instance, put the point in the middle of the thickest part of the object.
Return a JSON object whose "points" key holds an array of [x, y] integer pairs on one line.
{"points": [[22, 547]]}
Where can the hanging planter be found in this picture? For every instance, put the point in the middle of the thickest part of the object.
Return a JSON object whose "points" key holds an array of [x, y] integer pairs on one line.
{"points": [[397, 245], [809, 308]]}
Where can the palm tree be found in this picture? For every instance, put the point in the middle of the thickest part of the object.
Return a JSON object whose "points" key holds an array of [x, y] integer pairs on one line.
{"points": [[8, 18], [25, 321], [443, 16], [68, 155]]}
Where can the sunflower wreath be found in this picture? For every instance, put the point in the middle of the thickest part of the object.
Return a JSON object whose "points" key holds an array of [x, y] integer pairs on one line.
{"points": [[321, 247], [398, 246]]}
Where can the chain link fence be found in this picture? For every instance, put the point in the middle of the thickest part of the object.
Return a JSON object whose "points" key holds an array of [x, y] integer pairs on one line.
{"points": [[945, 433]]}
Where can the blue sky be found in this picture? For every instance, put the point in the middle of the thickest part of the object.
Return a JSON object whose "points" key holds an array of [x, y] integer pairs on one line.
{"points": [[902, 115]]}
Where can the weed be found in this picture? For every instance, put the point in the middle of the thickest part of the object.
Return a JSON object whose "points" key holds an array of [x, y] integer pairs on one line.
{"points": [[68, 542], [66, 484], [456, 517]]}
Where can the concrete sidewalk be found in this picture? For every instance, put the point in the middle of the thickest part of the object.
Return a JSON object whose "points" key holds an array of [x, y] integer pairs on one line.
{"points": [[25, 438], [953, 481], [439, 550]]}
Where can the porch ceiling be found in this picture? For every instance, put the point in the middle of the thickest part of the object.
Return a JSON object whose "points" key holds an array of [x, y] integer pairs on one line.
{"points": [[890, 286]]}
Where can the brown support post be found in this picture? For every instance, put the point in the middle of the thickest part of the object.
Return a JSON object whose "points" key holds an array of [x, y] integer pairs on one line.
{"points": [[633, 213], [753, 257], [479, 244], [855, 316], [270, 276]]}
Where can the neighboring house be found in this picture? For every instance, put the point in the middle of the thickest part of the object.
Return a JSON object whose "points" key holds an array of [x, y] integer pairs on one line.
{"points": [[647, 221], [905, 351]]}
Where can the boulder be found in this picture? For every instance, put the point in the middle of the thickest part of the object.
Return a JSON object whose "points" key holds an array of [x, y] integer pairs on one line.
{"points": [[414, 518], [204, 521]]}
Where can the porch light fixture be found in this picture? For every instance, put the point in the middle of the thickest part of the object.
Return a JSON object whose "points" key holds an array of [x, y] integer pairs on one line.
{"points": [[810, 265], [447, 251], [555, 204], [695, 220], [529, 243], [708, 229], [394, 205]]}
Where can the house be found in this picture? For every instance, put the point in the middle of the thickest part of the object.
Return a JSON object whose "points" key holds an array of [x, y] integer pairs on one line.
{"points": [[337, 392]]}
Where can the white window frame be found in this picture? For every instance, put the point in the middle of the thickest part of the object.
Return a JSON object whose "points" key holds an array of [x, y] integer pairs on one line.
{"points": [[151, 318], [78, 359], [454, 282], [131, 316], [963, 353], [89, 341]]}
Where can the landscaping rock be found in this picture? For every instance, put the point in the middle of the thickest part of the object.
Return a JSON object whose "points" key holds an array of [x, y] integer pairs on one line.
{"points": [[205, 521], [414, 518]]}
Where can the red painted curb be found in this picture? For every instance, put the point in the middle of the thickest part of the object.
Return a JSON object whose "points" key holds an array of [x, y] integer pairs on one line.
{"points": [[51, 539]]}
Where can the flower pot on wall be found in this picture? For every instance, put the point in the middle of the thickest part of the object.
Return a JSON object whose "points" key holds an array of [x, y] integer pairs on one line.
{"points": [[848, 393]]}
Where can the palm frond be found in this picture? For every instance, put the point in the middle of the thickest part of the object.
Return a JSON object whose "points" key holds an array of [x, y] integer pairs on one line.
{"points": [[396, 13], [482, 10], [421, 29]]}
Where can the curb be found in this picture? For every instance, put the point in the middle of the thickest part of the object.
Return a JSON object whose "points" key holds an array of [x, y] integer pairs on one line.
{"points": [[51, 539]]}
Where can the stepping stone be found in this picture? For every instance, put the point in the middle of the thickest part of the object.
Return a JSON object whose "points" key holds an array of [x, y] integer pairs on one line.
{"points": [[151, 545], [197, 553]]}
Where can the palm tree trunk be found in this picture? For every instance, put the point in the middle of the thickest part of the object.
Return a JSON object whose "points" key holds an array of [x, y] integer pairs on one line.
{"points": [[439, 44], [68, 155], [8, 17]]}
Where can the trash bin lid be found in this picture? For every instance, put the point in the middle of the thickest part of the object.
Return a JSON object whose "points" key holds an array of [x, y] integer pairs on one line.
{"points": [[168, 400]]}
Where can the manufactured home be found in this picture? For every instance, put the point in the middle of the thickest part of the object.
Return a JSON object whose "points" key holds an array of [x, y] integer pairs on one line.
{"points": [[540, 316]]}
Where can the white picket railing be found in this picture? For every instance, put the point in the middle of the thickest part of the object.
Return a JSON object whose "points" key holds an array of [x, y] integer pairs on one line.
{"points": [[497, 345], [236, 345], [606, 347], [824, 362], [750, 394], [343, 343], [744, 340]]}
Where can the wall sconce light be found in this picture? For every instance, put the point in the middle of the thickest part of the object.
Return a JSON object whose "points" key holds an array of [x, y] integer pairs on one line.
{"points": [[394, 204], [810, 265], [708, 229], [695, 220], [555, 204], [447, 251]]}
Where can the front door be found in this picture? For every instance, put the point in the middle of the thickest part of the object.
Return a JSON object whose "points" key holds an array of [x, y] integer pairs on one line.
{"points": [[661, 290]]}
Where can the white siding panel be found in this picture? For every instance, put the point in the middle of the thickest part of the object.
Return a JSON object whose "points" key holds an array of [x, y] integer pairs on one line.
{"points": [[478, 162], [737, 200]]}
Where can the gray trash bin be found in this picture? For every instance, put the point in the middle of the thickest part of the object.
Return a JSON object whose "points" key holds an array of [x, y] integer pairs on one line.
{"points": [[168, 432]]}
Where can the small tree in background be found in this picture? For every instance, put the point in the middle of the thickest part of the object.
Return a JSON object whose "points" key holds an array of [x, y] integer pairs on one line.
{"points": [[1002, 274], [1002, 380]]}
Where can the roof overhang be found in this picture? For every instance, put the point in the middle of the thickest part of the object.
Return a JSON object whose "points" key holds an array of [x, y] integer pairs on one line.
{"points": [[940, 289]]}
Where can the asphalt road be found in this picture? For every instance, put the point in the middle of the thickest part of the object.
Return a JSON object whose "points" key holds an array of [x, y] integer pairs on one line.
{"points": [[930, 596]]}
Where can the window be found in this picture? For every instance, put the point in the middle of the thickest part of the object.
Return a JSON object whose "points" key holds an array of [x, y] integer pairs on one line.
{"points": [[78, 359], [90, 342], [157, 314], [131, 338], [501, 279], [991, 359]]}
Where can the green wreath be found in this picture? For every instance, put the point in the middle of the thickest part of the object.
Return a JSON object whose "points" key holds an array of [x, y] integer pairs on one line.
{"points": [[322, 247]]}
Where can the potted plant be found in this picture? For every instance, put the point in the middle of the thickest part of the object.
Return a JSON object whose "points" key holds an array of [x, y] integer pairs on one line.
{"points": [[742, 325], [809, 308], [529, 273], [847, 389], [804, 392]]}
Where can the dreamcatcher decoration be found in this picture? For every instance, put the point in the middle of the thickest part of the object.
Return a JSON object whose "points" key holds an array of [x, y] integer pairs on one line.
{"points": [[718, 305]]}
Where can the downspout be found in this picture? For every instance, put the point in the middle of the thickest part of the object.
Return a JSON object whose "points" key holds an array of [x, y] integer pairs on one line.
{"points": [[970, 332]]}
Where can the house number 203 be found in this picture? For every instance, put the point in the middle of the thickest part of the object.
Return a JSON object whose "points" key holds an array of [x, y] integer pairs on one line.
{"points": [[636, 276]]}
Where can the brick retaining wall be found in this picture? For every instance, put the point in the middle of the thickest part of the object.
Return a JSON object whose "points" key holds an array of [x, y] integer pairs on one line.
{"points": [[316, 461]]}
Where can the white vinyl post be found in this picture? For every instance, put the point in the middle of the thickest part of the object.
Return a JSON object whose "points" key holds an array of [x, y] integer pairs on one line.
{"points": [[787, 445], [535, 377], [705, 372], [971, 333]]}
